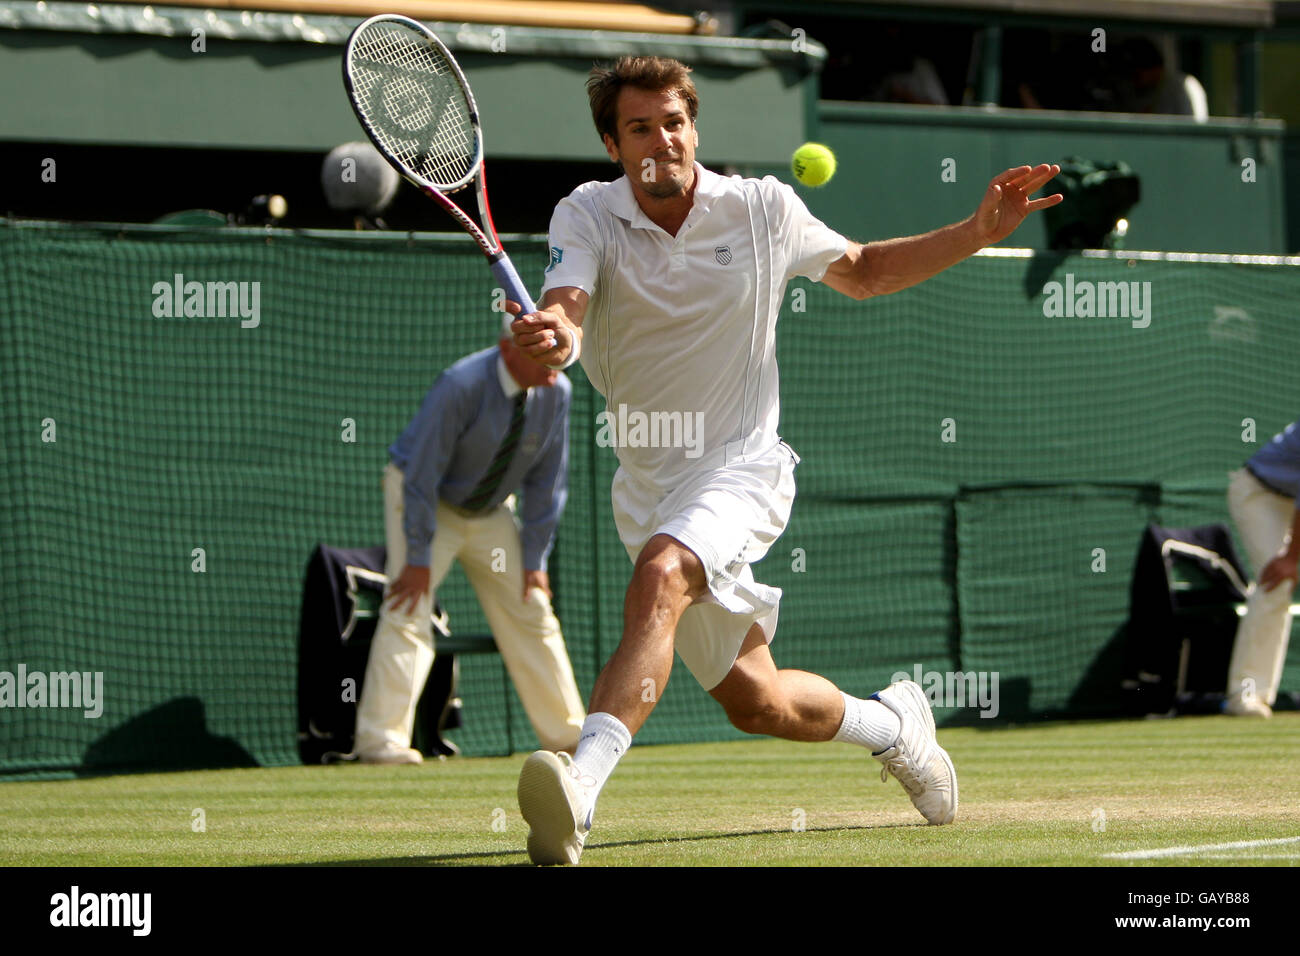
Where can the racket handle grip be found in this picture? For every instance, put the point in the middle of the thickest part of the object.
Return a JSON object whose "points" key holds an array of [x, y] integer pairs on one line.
{"points": [[504, 272]]}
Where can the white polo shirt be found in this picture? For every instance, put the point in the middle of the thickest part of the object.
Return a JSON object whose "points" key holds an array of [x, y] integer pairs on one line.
{"points": [[680, 333]]}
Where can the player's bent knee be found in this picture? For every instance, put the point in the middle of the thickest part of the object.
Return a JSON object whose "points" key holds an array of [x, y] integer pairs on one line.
{"points": [[667, 567], [661, 576]]}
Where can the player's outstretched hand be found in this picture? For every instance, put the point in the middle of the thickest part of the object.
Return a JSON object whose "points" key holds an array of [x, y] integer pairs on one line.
{"points": [[542, 336], [1007, 203]]}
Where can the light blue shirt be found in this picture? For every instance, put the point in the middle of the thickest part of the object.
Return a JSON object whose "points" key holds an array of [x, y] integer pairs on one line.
{"points": [[1277, 464], [447, 447]]}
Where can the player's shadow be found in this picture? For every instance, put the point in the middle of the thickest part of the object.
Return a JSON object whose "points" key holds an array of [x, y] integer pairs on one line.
{"points": [[171, 736], [591, 853], [1041, 269]]}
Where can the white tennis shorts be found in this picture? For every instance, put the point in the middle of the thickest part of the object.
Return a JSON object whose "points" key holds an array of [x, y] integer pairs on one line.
{"points": [[729, 517]]}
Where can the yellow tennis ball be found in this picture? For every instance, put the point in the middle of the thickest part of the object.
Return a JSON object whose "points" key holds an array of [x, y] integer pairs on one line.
{"points": [[813, 164]]}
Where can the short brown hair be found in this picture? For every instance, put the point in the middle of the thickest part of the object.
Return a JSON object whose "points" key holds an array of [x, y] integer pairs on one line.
{"points": [[652, 73]]}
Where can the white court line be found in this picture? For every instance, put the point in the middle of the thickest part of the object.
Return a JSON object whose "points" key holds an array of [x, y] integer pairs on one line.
{"points": [[1188, 850]]}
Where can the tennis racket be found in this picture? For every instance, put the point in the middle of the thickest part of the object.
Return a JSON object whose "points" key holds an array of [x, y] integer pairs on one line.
{"points": [[415, 105]]}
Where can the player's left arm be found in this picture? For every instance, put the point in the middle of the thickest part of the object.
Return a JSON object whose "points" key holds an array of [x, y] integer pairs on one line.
{"points": [[880, 268]]}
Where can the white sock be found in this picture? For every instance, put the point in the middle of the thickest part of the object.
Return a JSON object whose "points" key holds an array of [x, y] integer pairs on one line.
{"points": [[868, 723], [604, 740]]}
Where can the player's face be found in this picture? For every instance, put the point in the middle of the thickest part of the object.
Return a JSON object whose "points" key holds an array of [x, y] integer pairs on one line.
{"points": [[656, 142], [524, 370]]}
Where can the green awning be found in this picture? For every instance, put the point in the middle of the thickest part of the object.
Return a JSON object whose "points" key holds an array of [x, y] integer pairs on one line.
{"points": [[141, 75]]}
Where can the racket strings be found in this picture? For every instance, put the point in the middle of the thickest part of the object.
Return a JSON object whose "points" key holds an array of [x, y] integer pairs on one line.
{"points": [[412, 97]]}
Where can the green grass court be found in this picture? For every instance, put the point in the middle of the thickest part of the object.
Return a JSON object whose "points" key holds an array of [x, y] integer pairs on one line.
{"points": [[1061, 794]]}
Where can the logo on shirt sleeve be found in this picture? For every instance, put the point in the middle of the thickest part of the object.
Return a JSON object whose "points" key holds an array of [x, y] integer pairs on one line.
{"points": [[557, 256]]}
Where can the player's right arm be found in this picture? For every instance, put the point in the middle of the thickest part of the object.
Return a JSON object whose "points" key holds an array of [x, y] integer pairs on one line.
{"points": [[553, 334]]}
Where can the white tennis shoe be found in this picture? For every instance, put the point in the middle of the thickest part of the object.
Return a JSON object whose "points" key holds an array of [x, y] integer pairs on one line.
{"points": [[555, 800], [391, 755], [918, 762], [1241, 706]]}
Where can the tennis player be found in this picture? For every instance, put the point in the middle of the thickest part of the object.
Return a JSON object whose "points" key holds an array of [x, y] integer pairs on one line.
{"points": [[667, 283]]}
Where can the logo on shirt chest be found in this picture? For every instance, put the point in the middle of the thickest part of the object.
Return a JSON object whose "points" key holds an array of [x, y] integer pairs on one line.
{"points": [[722, 254], [529, 444]]}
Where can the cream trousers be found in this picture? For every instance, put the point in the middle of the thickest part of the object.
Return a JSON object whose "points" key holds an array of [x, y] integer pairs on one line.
{"points": [[1263, 520], [527, 632]]}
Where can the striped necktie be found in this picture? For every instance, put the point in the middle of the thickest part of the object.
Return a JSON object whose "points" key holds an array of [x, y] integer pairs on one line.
{"points": [[491, 480]]}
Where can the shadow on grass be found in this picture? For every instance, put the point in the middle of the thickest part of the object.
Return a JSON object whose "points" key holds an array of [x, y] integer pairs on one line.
{"points": [[172, 736], [486, 857]]}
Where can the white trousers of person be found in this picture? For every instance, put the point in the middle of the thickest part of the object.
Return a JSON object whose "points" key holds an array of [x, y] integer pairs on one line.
{"points": [[1263, 519], [527, 632]]}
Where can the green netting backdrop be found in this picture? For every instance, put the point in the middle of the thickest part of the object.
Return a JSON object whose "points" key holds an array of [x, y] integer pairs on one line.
{"points": [[904, 550]]}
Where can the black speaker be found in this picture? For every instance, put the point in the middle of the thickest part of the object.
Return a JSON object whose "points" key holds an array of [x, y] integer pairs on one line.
{"points": [[342, 592], [1187, 583]]}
